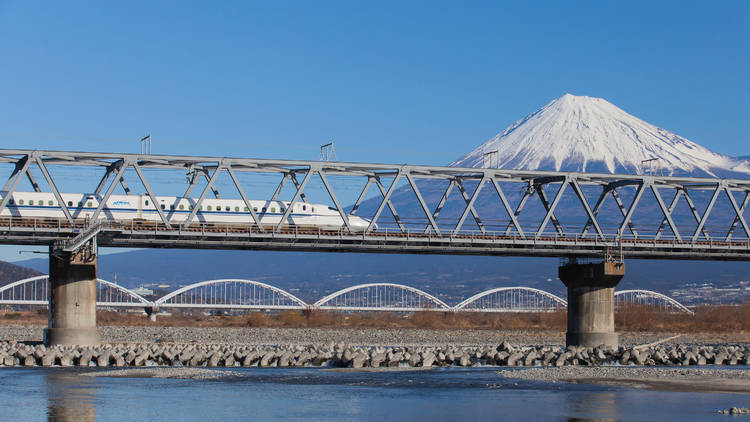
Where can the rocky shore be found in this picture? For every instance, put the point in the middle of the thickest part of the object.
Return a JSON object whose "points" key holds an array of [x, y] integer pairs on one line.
{"points": [[351, 356]]}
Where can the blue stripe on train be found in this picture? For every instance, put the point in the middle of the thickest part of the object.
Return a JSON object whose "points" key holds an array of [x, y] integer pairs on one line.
{"points": [[135, 210]]}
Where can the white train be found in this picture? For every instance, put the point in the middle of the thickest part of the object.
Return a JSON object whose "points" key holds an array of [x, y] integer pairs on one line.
{"points": [[177, 209]]}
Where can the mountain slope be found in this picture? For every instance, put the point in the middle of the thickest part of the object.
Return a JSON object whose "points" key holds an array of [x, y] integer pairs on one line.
{"points": [[586, 134], [11, 272]]}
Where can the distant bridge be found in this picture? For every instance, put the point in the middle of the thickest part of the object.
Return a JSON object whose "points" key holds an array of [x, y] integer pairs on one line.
{"points": [[243, 294]]}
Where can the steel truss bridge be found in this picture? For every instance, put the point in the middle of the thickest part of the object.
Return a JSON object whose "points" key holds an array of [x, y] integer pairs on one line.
{"points": [[239, 294], [602, 225]]}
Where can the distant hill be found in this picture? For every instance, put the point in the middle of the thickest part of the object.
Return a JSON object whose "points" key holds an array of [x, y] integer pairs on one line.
{"points": [[11, 272]]}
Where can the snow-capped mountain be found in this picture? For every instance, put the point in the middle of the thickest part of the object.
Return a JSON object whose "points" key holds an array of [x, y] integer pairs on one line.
{"points": [[587, 134]]}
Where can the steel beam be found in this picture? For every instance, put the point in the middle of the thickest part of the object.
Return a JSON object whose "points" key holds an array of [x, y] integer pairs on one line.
{"points": [[707, 212], [422, 203], [297, 195], [386, 200], [249, 206]]}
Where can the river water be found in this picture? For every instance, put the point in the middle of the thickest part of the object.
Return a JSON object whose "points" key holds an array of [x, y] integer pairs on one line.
{"points": [[310, 394]]}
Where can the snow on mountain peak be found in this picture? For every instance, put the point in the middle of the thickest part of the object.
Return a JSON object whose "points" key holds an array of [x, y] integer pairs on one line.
{"points": [[578, 133]]}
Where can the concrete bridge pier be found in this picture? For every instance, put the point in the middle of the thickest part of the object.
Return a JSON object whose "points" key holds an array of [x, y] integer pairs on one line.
{"points": [[72, 301], [591, 302]]}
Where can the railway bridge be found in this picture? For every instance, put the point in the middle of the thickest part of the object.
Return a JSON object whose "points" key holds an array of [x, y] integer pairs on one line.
{"points": [[461, 211]]}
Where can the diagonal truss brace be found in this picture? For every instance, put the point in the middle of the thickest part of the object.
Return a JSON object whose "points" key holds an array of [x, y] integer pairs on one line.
{"points": [[592, 218], [297, 195], [527, 193], [667, 212], [706, 213], [386, 200], [121, 166], [695, 212], [441, 203], [154, 200], [391, 208], [361, 196], [22, 166], [550, 207], [237, 184], [54, 190], [335, 200], [506, 205], [739, 211], [422, 203], [470, 205]]}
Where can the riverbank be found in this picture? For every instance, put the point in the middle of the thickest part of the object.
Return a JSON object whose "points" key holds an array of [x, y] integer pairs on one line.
{"points": [[404, 337]]}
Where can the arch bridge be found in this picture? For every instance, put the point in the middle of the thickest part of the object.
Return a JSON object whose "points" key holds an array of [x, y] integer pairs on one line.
{"points": [[242, 294]]}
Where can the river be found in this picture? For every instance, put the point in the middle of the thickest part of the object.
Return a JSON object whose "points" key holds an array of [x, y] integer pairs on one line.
{"points": [[308, 394]]}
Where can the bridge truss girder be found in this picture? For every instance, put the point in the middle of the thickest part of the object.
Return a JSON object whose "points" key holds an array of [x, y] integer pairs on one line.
{"points": [[114, 167]]}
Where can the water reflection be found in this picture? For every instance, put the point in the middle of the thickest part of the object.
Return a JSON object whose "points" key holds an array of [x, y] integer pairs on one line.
{"points": [[592, 406], [70, 397]]}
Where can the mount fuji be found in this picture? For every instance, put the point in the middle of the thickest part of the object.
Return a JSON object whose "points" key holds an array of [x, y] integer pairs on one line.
{"points": [[587, 134]]}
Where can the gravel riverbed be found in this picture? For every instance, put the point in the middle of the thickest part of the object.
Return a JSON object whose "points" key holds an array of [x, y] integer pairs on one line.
{"points": [[352, 336]]}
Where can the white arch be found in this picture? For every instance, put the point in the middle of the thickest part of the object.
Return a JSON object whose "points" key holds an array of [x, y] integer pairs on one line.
{"points": [[162, 300], [666, 298], [141, 301], [20, 282], [480, 295], [134, 295], [333, 295]]}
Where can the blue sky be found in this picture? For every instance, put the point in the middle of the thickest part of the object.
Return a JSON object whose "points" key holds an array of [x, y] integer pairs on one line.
{"points": [[412, 82]]}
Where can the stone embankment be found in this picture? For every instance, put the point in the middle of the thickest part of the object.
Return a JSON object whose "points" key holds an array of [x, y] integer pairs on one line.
{"points": [[341, 355]]}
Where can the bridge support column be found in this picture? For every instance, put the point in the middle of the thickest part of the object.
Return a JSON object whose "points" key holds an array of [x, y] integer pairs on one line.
{"points": [[72, 301], [591, 302]]}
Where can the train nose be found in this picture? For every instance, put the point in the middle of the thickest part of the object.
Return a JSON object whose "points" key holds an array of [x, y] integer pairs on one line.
{"points": [[358, 224]]}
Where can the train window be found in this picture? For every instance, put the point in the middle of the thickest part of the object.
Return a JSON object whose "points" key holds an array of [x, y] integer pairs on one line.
{"points": [[20, 201], [304, 208], [236, 208], [255, 209], [182, 207], [227, 208], [264, 209], [273, 209], [41, 203], [313, 209], [171, 207], [12, 202], [281, 209], [245, 209], [147, 202], [209, 208], [163, 206], [89, 204], [80, 204], [190, 207], [70, 203], [49, 203]]}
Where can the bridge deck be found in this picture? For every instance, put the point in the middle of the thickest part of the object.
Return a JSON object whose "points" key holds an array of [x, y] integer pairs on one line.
{"points": [[238, 236]]}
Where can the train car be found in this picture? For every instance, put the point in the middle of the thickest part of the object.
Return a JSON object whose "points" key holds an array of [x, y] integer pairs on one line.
{"points": [[177, 209]]}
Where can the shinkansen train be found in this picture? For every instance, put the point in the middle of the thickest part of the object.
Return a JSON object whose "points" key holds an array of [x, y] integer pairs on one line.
{"points": [[177, 209]]}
